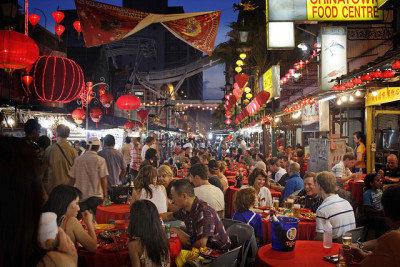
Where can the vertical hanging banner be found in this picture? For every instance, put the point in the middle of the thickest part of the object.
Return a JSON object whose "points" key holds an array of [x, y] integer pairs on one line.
{"points": [[270, 82], [310, 117], [333, 55]]}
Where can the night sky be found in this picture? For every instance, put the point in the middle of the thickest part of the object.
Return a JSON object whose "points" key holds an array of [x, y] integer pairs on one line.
{"points": [[213, 78]]}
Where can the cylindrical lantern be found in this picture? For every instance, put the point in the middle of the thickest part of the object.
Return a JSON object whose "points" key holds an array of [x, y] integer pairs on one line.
{"points": [[96, 114], [79, 115]]}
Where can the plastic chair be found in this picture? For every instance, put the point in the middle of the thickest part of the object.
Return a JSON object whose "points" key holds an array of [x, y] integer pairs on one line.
{"points": [[228, 222], [244, 234], [227, 259], [356, 234]]}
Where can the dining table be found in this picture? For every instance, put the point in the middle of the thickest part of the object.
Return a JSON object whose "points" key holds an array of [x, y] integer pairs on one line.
{"points": [[306, 230], [230, 196], [305, 254], [114, 212]]}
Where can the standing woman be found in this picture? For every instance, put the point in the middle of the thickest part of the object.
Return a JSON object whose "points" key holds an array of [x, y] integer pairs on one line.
{"points": [[222, 146], [359, 152], [146, 188], [149, 244]]}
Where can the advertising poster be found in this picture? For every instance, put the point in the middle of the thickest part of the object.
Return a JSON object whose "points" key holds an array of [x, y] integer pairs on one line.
{"points": [[324, 122], [270, 82], [333, 55], [310, 118]]}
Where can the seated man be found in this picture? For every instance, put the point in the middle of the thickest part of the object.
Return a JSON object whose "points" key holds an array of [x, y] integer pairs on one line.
{"points": [[393, 168], [334, 209], [385, 250], [203, 225], [274, 165], [308, 197], [294, 183], [342, 170]]}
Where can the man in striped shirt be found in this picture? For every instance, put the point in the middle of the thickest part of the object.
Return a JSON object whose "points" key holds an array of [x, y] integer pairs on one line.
{"points": [[334, 209]]}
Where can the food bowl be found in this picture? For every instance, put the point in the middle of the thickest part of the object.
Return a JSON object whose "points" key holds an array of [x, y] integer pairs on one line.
{"points": [[108, 235]]}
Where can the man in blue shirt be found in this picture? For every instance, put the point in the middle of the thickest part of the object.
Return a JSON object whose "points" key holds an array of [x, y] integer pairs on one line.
{"points": [[294, 183]]}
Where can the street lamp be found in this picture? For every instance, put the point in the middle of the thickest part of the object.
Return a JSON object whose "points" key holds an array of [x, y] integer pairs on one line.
{"points": [[243, 33]]}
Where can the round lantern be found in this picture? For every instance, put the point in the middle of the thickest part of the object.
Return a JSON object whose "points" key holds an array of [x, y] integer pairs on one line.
{"points": [[128, 102], [33, 19], [366, 78], [357, 81], [262, 97], [142, 114], [239, 62], [57, 79], [388, 74], [349, 85], [238, 69], [246, 101], [79, 115], [78, 27], [228, 116], [396, 65], [96, 114], [228, 121], [249, 95], [17, 51], [27, 80], [106, 100], [241, 79], [247, 90], [129, 125], [59, 29], [58, 16]]}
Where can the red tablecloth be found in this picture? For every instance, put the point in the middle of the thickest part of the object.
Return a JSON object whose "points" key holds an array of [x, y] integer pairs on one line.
{"points": [[113, 212], [230, 194], [105, 258], [305, 254], [231, 181], [305, 231]]}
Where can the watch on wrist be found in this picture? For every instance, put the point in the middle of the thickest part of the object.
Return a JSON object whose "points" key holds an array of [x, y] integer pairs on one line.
{"points": [[360, 245]]}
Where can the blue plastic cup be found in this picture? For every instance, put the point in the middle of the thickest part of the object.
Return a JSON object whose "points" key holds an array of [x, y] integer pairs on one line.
{"points": [[283, 233]]}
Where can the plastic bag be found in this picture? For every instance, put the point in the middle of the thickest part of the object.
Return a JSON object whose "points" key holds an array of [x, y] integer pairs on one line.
{"points": [[186, 255]]}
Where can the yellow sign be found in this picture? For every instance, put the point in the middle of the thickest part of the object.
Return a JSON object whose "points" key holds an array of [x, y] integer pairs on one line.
{"points": [[384, 95], [268, 83], [335, 10]]}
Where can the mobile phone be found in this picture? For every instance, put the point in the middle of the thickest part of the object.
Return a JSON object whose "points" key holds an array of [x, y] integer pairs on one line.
{"points": [[332, 258]]}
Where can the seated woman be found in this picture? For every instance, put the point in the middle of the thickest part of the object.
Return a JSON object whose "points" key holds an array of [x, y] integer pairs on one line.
{"points": [[257, 179], [165, 178], [64, 201], [22, 201], [222, 168], [246, 199], [213, 169], [307, 197], [146, 188], [149, 244]]}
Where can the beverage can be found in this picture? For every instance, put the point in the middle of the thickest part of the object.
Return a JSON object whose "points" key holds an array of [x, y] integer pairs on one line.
{"points": [[168, 230]]}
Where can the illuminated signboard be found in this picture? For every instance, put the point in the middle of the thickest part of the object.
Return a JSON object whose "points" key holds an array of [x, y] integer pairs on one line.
{"points": [[384, 95], [343, 10], [270, 82], [280, 35]]}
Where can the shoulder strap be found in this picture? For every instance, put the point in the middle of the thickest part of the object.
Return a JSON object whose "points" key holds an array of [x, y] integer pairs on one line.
{"points": [[252, 217], [62, 151]]}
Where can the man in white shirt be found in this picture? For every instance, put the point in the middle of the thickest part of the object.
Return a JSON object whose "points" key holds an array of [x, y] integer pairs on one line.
{"points": [[275, 166], [242, 143], [342, 170], [198, 175], [149, 143], [334, 209]]}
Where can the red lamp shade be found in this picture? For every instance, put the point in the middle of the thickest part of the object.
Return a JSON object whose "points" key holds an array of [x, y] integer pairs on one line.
{"points": [[228, 121], [129, 125], [342, 88], [77, 26], [241, 79], [228, 116], [142, 114], [396, 65], [57, 79], [59, 29], [366, 78], [17, 51], [376, 74], [128, 102], [312, 101], [79, 115], [34, 19], [286, 110], [357, 81], [349, 85], [58, 16], [288, 75], [27, 80], [335, 88], [388, 74], [96, 114], [106, 100], [292, 71]]}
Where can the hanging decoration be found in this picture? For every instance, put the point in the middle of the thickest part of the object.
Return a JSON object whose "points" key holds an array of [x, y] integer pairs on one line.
{"points": [[228, 121], [106, 100], [34, 19], [58, 16], [27, 79], [57, 79], [95, 115], [142, 114], [128, 102], [17, 51], [78, 27], [241, 79], [79, 115], [59, 30], [129, 125]]}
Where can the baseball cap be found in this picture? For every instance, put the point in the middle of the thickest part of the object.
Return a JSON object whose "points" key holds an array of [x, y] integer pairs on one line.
{"points": [[94, 141]]}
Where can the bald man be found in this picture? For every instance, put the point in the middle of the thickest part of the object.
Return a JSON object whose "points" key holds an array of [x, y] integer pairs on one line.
{"points": [[294, 183], [392, 170]]}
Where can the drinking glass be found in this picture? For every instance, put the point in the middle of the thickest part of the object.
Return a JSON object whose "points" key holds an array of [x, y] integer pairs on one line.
{"points": [[296, 210], [289, 203], [345, 258], [276, 203], [347, 238]]}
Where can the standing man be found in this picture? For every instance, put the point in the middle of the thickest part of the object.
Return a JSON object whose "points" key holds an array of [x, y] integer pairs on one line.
{"points": [[126, 152], [136, 157], [32, 133], [89, 174], [58, 159], [242, 143], [116, 165], [334, 209], [149, 143]]}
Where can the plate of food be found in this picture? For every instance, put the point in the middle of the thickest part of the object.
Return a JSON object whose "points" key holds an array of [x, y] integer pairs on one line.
{"points": [[308, 217], [108, 235], [304, 211], [105, 226], [359, 181], [264, 208], [115, 247]]}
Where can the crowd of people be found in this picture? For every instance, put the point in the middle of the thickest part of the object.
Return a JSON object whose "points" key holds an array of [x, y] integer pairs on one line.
{"points": [[72, 180]]}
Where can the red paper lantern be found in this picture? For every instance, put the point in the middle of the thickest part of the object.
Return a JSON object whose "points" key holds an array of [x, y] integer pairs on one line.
{"points": [[58, 16], [376, 74], [349, 85], [396, 65], [128, 102], [95, 115], [366, 78], [17, 51], [228, 121], [292, 71], [142, 114], [106, 100], [357, 81], [342, 88], [241, 79], [388, 74], [129, 125], [59, 29], [286, 110], [34, 19], [79, 115], [228, 116], [78, 27], [57, 79], [27, 80], [262, 97]]}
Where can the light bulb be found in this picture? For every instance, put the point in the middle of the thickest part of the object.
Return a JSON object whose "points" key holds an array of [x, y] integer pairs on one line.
{"points": [[374, 93], [344, 98], [238, 69], [358, 93], [339, 102], [351, 98], [242, 55]]}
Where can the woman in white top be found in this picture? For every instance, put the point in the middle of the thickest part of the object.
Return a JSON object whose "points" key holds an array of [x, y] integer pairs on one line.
{"points": [[258, 179], [146, 188]]}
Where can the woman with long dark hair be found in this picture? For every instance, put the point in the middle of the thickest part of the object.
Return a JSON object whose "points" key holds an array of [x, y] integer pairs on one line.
{"points": [[22, 200], [149, 246], [64, 201]]}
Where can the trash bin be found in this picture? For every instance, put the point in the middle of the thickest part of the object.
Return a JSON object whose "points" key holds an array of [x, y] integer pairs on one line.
{"points": [[283, 233]]}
